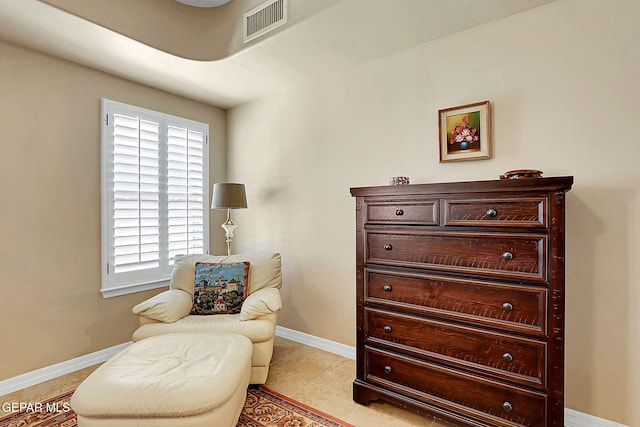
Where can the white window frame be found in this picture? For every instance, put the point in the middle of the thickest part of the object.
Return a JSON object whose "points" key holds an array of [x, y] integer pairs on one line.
{"points": [[142, 280]]}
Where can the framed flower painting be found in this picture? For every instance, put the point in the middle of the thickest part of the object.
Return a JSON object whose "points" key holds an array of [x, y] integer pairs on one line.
{"points": [[465, 133]]}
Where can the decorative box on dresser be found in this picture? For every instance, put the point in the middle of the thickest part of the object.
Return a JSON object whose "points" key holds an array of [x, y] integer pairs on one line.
{"points": [[460, 299]]}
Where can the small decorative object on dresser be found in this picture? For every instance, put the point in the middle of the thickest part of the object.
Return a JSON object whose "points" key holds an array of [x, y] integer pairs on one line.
{"points": [[460, 300], [399, 180], [521, 173], [465, 133]]}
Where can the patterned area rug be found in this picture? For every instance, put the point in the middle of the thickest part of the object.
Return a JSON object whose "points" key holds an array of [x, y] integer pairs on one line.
{"points": [[263, 408]]}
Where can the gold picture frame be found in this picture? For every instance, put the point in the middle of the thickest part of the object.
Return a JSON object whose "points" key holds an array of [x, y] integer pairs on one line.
{"points": [[464, 132]]}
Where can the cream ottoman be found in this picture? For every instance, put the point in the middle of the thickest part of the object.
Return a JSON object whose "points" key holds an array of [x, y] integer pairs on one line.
{"points": [[172, 380]]}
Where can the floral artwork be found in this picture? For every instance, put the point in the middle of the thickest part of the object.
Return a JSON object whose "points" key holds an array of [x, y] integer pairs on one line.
{"points": [[464, 132], [463, 129]]}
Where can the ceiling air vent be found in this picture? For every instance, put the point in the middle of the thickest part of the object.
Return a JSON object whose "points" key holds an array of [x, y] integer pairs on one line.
{"points": [[264, 18]]}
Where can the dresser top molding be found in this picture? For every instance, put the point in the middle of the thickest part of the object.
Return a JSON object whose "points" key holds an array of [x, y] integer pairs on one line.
{"points": [[561, 183]]}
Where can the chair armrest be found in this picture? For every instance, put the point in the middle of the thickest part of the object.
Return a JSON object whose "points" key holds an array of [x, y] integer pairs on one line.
{"points": [[260, 303], [167, 306]]}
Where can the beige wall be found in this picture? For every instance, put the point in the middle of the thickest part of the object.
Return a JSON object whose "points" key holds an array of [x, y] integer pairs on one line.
{"points": [[51, 309], [563, 82]]}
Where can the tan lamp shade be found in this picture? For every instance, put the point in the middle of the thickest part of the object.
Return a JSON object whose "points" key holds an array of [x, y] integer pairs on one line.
{"points": [[228, 195]]}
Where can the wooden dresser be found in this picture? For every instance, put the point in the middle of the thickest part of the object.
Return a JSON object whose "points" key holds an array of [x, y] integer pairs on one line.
{"points": [[460, 299]]}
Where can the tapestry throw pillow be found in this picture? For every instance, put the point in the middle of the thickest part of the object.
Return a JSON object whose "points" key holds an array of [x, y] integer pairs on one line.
{"points": [[220, 288]]}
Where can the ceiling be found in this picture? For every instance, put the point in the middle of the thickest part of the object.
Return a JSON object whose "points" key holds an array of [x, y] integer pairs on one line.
{"points": [[204, 3], [347, 33]]}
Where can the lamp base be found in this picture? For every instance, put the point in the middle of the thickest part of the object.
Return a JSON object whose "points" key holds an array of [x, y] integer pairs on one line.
{"points": [[228, 226]]}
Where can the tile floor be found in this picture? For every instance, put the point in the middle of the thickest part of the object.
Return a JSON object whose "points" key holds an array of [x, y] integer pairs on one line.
{"points": [[314, 377]]}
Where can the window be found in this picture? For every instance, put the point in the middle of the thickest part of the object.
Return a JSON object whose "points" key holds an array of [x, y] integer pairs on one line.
{"points": [[155, 195]]}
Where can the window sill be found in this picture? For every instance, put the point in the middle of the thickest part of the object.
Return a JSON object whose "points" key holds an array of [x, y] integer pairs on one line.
{"points": [[131, 289]]}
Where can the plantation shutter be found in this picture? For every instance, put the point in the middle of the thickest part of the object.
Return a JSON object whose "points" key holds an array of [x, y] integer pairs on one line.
{"points": [[136, 194], [154, 193], [185, 174]]}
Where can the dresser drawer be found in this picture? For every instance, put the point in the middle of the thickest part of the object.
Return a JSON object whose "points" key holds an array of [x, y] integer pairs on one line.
{"points": [[500, 355], [505, 212], [516, 256], [517, 308], [491, 401], [423, 212]]}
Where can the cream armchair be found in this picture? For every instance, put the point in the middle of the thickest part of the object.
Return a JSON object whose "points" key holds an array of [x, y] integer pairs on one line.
{"points": [[169, 311]]}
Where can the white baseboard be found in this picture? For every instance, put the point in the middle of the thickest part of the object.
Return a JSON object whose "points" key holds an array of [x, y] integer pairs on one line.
{"points": [[580, 419], [571, 418], [317, 342], [50, 372]]}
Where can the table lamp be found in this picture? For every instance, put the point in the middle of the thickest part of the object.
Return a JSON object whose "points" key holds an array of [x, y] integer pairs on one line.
{"points": [[228, 195]]}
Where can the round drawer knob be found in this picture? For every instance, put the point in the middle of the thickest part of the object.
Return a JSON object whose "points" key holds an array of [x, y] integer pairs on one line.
{"points": [[507, 256], [492, 212], [507, 357], [507, 406], [507, 306], [387, 329], [387, 369], [399, 212], [386, 288], [388, 247]]}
